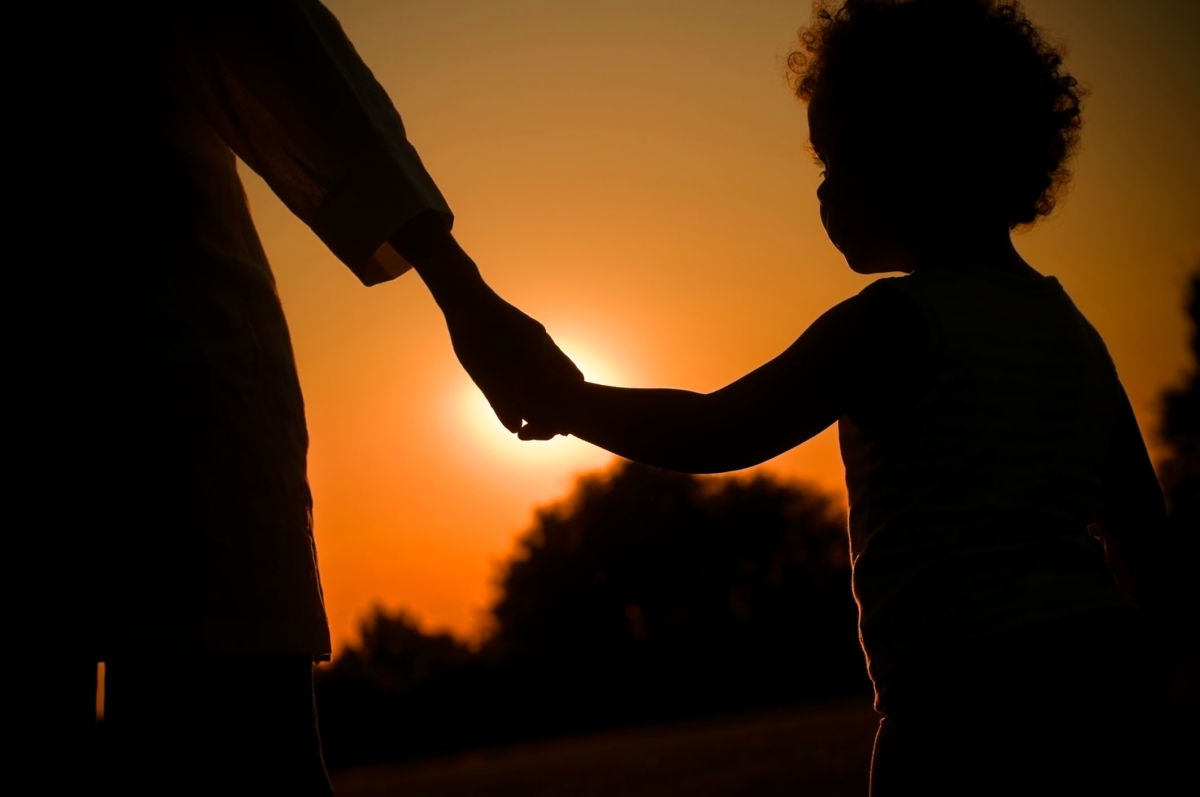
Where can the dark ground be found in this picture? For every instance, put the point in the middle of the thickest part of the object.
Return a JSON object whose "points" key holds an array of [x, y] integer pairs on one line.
{"points": [[822, 750]]}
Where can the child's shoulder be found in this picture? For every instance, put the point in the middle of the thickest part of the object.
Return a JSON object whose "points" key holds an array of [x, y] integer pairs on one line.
{"points": [[972, 286]]}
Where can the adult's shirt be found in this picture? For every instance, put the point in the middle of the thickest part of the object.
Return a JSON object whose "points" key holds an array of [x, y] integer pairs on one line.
{"points": [[183, 461]]}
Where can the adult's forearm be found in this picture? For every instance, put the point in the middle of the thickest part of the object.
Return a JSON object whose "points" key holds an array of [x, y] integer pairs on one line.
{"points": [[450, 274]]}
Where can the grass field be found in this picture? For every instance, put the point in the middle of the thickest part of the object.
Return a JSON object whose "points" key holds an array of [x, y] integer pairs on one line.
{"points": [[822, 751]]}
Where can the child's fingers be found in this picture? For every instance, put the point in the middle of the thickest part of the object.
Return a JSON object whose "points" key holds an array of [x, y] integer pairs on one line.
{"points": [[536, 431]]}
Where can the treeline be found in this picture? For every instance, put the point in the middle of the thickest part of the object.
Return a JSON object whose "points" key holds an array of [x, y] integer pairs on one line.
{"points": [[644, 595], [1180, 430]]}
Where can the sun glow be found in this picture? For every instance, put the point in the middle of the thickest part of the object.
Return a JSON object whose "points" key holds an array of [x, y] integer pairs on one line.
{"points": [[497, 448]]}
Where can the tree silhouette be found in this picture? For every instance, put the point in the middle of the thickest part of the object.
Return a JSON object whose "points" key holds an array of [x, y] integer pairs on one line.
{"points": [[398, 689], [676, 590], [645, 594], [397, 656], [1180, 430], [1180, 475]]}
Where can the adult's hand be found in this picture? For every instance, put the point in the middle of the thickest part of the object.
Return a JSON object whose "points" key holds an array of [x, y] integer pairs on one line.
{"points": [[508, 355]]}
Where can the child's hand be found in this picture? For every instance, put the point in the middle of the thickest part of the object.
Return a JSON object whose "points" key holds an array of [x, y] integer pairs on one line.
{"points": [[546, 414], [537, 431]]}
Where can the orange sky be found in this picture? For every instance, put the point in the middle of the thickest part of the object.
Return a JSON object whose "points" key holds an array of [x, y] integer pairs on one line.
{"points": [[633, 174]]}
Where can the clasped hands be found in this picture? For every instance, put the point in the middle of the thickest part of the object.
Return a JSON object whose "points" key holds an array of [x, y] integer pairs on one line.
{"points": [[514, 362], [508, 355]]}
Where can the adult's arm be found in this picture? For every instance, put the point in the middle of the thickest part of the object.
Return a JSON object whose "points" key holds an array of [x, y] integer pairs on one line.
{"points": [[286, 90]]}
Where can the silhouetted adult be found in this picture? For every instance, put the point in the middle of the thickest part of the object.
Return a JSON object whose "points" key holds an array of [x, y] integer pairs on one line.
{"points": [[177, 516]]}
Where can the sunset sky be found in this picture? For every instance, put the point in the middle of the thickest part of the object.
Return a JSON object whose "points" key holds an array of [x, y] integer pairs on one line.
{"points": [[633, 174]]}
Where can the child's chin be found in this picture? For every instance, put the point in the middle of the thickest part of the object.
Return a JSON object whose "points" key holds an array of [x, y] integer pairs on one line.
{"points": [[875, 260], [864, 264]]}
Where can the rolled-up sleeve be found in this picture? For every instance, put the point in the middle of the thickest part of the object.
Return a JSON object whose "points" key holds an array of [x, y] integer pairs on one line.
{"points": [[286, 90]]}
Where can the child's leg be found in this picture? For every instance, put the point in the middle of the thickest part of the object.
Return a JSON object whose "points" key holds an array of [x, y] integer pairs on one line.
{"points": [[1005, 755], [1069, 708]]}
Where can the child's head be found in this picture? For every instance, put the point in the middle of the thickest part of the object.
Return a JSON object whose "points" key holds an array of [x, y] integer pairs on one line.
{"points": [[935, 120]]}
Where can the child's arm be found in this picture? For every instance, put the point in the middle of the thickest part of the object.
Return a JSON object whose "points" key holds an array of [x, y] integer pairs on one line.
{"points": [[1133, 524], [864, 341], [1145, 559]]}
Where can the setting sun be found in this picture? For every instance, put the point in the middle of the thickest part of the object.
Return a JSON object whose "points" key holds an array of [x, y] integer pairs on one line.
{"points": [[470, 416]]}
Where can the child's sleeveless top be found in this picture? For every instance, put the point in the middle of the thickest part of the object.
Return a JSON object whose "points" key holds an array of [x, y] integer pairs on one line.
{"points": [[970, 499]]}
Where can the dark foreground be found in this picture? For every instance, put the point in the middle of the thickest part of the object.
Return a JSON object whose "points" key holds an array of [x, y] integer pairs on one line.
{"points": [[820, 751]]}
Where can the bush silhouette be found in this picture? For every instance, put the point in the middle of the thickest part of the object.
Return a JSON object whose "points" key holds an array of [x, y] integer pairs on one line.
{"points": [[1180, 430], [645, 594], [675, 591]]}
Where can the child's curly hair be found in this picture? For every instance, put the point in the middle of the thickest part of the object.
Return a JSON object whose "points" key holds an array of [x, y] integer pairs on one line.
{"points": [[967, 92]]}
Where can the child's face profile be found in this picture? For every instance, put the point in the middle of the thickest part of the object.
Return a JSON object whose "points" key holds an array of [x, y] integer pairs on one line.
{"points": [[861, 206]]}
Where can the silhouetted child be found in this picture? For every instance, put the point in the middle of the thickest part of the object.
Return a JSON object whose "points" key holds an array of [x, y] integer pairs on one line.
{"points": [[989, 446]]}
